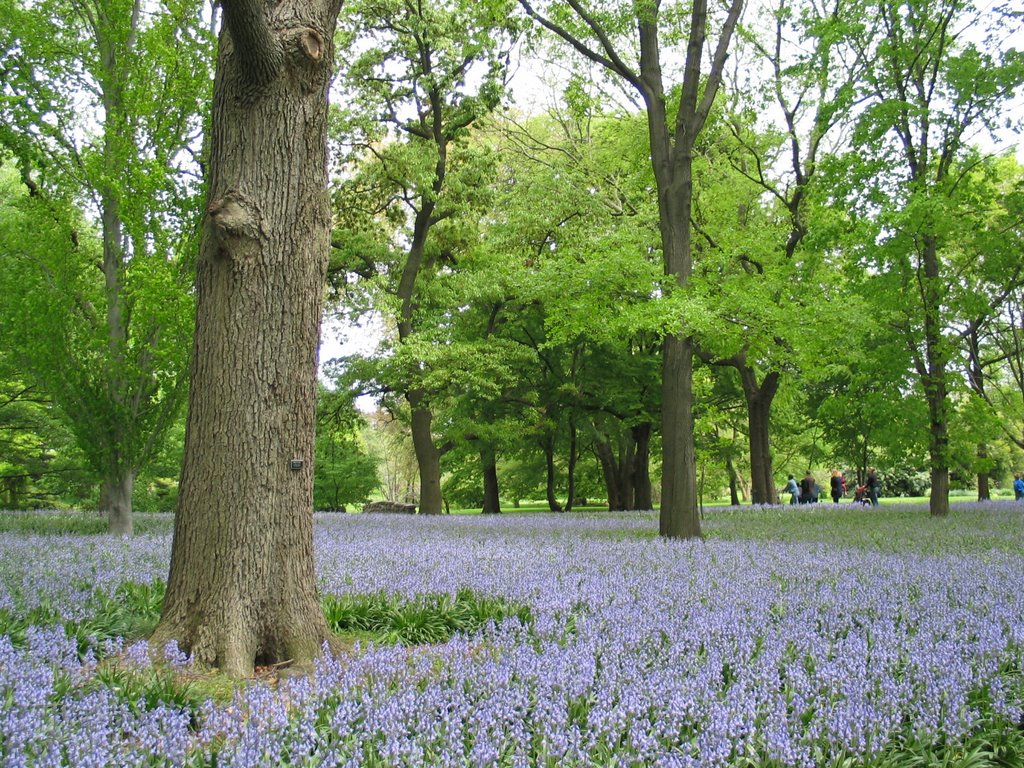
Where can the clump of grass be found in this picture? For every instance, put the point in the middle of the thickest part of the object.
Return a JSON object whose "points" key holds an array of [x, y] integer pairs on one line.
{"points": [[430, 618], [144, 690], [130, 613]]}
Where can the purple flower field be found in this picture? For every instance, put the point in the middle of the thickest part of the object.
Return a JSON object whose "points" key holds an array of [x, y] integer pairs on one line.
{"points": [[730, 652]]}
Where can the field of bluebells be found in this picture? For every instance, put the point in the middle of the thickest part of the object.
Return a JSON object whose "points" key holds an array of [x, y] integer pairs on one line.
{"points": [[818, 637]]}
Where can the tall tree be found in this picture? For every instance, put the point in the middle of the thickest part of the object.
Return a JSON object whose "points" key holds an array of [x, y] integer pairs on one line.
{"points": [[242, 586], [103, 103], [811, 85], [603, 37], [429, 70], [937, 73]]}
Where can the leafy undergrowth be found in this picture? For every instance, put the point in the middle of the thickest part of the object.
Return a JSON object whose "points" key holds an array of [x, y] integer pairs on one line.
{"points": [[129, 614], [132, 612], [431, 618]]}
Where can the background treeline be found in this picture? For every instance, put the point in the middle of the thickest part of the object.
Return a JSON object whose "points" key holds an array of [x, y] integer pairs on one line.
{"points": [[856, 299]]}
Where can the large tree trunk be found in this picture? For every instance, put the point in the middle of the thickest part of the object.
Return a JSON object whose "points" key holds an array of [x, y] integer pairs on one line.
{"points": [[492, 503], [113, 499], [242, 587], [673, 172], [428, 458], [679, 517], [116, 502]]}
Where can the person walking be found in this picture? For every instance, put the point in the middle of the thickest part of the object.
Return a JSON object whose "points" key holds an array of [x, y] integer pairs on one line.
{"points": [[793, 490], [1018, 486], [807, 486], [836, 486], [873, 486]]}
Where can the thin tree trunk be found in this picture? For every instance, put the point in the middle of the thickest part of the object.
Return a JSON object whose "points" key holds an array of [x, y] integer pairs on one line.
{"points": [[571, 490], [242, 587], [984, 491], [671, 151], [610, 472], [934, 380], [549, 464], [492, 504], [428, 458], [642, 467], [759, 403], [627, 493], [734, 481]]}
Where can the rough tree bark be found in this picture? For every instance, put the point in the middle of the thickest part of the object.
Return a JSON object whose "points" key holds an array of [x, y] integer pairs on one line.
{"points": [[241, 588]]}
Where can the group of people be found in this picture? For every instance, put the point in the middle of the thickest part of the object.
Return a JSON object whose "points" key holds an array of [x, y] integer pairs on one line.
{"points": [[807, 491]]}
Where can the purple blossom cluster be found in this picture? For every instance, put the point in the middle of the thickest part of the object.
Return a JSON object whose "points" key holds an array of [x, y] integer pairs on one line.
{"points": [[640, 652]]}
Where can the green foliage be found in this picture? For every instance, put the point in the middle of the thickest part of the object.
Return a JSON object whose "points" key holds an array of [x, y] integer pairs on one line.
{"points": [[130, 613], [100, 124], [344, 472], [144, 690], [426, 619]]}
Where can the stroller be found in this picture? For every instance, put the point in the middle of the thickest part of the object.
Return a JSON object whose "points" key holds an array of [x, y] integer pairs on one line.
{"points": [[860, 495]]}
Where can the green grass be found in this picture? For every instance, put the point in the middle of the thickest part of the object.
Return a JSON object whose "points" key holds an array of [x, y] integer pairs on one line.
{"points": [[891, 528], [57, 523], [424, 619]]}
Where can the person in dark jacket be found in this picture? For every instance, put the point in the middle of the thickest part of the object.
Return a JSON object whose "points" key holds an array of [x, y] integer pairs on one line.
{"points": [[836, 486], [874, 485], [808, 489]]}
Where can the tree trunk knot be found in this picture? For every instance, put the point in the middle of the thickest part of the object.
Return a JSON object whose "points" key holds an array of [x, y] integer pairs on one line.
{"points": [[305, 46], [234, 215]]}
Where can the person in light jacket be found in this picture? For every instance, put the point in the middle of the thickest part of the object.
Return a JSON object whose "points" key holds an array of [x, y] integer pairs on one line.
{"points": [[793, 490]]}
